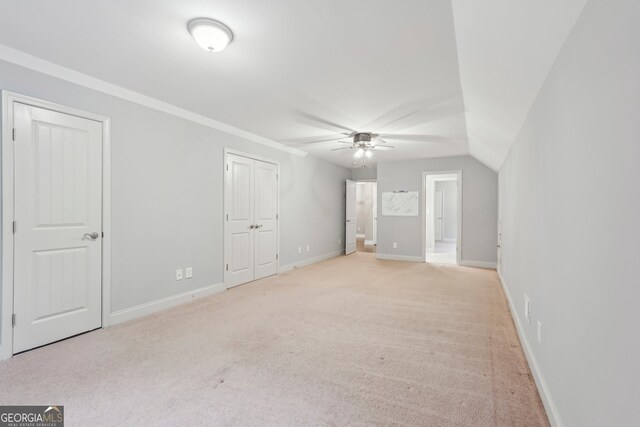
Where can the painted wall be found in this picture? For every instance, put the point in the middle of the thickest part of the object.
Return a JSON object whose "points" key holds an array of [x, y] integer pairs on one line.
{"points": [[368, 173], [479, 207], [167, 193], [364, 209], [450, 200], [570, 238]]}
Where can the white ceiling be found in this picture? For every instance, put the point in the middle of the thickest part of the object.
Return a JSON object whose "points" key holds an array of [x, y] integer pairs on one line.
{"points": [[297, 70]]}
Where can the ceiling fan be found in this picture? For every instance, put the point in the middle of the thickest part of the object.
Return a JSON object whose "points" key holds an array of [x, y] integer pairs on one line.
{"points": [[363, 143]]}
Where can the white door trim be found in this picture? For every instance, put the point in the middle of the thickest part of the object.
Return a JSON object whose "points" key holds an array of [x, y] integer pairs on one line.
{"points": [[8, 100], [225, 260], [423, 216]]}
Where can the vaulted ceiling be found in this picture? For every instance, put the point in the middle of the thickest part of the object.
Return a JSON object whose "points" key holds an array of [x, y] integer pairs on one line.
{"points": [[446, 77]]}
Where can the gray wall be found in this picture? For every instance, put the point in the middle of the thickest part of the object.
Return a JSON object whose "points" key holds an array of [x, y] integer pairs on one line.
{"points": [[368, 173], [479, 207], [167, 193], [570, 238], [449, 202]]}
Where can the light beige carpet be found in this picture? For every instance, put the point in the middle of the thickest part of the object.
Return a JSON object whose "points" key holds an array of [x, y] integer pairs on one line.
{"points": [[350, 341]]}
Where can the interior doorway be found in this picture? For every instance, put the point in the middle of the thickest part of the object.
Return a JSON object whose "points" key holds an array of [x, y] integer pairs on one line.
{"points": [[366, 216], [443, 197]]}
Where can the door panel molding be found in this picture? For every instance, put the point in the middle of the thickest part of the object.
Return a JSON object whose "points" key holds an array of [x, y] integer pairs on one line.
{"points": [[9, 99], [261, 239]]}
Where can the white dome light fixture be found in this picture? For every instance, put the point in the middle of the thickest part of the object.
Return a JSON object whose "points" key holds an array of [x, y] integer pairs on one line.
{"points": [[211, 35]]}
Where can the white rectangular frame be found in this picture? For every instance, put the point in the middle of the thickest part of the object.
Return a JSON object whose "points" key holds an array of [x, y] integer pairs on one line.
{"points": [[423, 215], [8, 100], [226, 202]]}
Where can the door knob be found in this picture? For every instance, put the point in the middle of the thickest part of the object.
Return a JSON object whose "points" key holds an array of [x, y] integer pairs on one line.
{"points": [[259, 226], [91, 236], [251, 227]]}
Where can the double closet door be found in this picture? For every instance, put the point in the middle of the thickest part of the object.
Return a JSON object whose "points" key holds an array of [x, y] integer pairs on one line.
{"points": [[251, 219]]}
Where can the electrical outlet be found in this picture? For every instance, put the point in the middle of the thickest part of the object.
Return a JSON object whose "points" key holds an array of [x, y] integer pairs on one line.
{"points": [[299, 249], [527, 309], [188, 272], [539, 332], [395, 245], [179, 274], [308, 248]]}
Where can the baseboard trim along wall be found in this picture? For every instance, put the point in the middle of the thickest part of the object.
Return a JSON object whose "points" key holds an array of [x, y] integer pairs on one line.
{"points": [[142, 310], [289, 267], [479, 264], [547, 401], [391, 257]]}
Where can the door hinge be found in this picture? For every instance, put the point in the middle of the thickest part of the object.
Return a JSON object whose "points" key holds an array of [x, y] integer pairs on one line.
{"points": [[13, 320], [276, 256], [277, 176], [103, 234], [227, 267], [13, 134], [227, 166], [277, 216], [227, 217], [15, 227]]}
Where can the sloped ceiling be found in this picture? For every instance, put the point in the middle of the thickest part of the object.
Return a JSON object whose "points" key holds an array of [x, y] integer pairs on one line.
{"points": [[464, 72], [506, 49]]}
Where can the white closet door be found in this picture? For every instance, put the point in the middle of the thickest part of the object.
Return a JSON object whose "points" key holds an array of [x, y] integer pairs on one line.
{"points": [[350, 219], [58, 214], [239, 204], [266, 209]]}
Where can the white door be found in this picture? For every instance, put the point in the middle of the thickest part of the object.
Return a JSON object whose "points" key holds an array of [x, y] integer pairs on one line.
{"points": [[439, 214], [58, 214], [266, 211], [350, 219], [251, 232], [375, 213], [239, 204]]}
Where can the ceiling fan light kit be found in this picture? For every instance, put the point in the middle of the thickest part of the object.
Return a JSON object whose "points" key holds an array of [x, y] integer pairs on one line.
{"points": [[211, 35]]}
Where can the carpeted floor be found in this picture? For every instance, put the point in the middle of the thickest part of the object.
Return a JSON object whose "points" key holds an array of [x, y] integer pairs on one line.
{"points": [[349, 341]]}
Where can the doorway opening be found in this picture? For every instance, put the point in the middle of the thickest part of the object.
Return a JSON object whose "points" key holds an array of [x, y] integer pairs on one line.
{"points": [[443, 229], [366, 216]]}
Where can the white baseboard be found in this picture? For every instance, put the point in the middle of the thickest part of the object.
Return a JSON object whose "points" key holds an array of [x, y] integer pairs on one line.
{"points": [[368, 242], [479, 264], [164, 303], [545, 395], [289, 267], [391, 257], [360, 236]]}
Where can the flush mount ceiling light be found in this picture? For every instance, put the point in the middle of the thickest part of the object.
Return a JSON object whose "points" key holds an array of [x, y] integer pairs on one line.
{"points": [[211, 35]]}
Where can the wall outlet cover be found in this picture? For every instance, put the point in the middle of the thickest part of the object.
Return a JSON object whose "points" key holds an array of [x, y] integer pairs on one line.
{"points": [[179, 274], [527, 309], [299, 249], [395, 245], [539, 332]]}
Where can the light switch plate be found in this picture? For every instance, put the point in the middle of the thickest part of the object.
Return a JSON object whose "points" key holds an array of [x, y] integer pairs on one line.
{"points": [[179, 274], [395, 245], [188, 273]]}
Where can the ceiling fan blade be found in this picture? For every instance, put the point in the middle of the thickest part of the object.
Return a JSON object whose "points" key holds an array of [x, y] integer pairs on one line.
{"points": [[380, 140], [313, 139], [341, 148], [382, 147], [318, 122], [418, 112], [418, 138]]}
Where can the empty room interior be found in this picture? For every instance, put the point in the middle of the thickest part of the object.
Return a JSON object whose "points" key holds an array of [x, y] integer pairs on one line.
{"points": [[286, 212]]}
